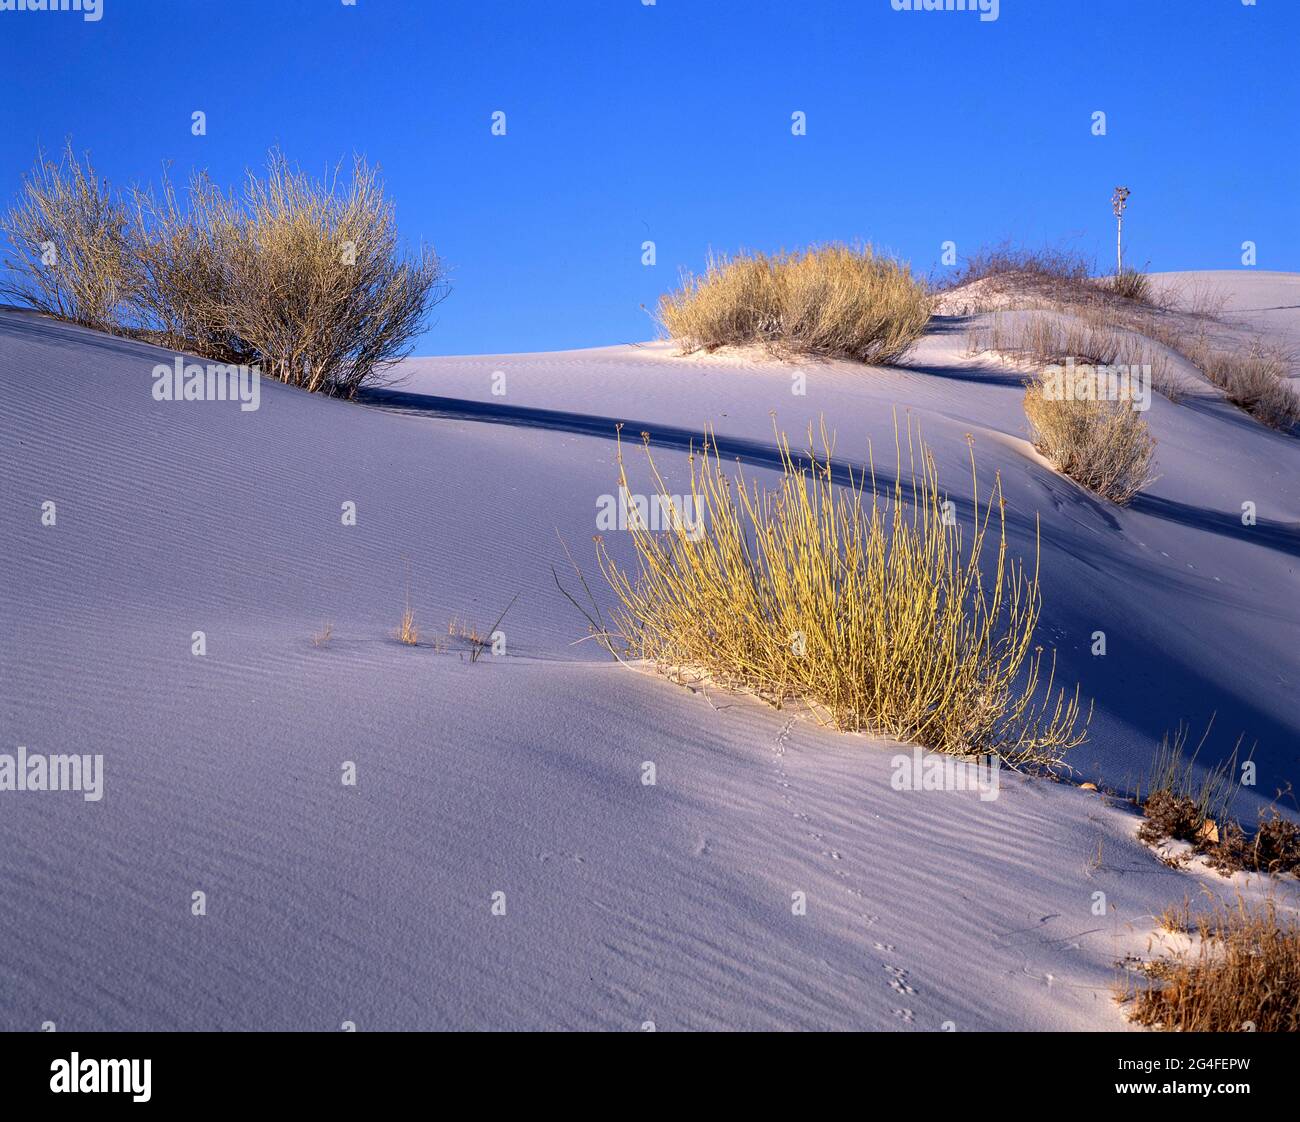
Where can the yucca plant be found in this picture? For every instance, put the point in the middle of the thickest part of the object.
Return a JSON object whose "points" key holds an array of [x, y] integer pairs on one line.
{"points": [[863, 603]]}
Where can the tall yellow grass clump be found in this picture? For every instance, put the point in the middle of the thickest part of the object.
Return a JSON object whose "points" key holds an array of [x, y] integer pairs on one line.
{"points": [[835, 301], [1242, 975], [864, 604], [1102, 444]]}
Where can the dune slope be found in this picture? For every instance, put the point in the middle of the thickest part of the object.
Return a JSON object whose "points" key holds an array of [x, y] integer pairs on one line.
{"points": [[770, 878]]}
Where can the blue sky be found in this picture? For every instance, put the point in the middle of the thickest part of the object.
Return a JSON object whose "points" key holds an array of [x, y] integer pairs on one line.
{"points": [[671, 122]]}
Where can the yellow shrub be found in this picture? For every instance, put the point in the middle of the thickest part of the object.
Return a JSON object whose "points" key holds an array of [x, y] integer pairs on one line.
{"points": [[1103, 445], [831, 300], [865, 606]]}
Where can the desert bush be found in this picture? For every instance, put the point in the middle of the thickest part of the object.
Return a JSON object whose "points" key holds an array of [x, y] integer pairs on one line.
{"points": [[303, 277], [1102, 444], [1242, 973], [1173, 773], [1116, 321], [865, 605], [69, 246], [1184, 806], [833, 301], [1255, 379], [180, 288], [1006, 275]]}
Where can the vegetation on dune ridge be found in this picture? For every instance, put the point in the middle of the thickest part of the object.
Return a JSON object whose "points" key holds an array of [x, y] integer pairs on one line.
{"points": [[303, 278], [832, 301], [860, 601], [1117, 319]]}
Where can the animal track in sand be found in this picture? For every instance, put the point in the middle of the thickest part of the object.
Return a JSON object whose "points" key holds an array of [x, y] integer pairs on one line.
{"points": [[898, 979], [577, 859]]}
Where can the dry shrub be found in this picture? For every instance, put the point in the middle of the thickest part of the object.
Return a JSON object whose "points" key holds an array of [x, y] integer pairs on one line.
{"points": [[864, 604], [70, 248], [1006, 275], [1116, 320], [1196, 299], [1103, 445], [1173, 774], [1242, 974], [1274, 848], [1170, 816], [300, 277], [1183, 805], [305, 278], [180, 288], [833, 301], [1255, 378]]}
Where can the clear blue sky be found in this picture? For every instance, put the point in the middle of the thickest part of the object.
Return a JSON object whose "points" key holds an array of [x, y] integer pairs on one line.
{"points": [[672, 122]]}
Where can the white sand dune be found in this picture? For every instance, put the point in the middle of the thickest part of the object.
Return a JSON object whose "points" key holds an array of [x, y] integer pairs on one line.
{"points": [[521, 774]]}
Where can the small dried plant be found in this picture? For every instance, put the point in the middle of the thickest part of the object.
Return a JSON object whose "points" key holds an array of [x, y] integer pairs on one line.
{"points": [[1241, 973]]}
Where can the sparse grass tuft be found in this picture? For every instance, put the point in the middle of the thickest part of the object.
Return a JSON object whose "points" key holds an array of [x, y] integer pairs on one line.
{"points": [[323, 636], [1182, 806], [1178, 803], [1176, 919], [469, 634], [1132, 284], [832, 301], [1103, 445], [1254, 378], [406, 631], [1242, 974], [1255, 381], [1091, 334], [865, 604]]}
